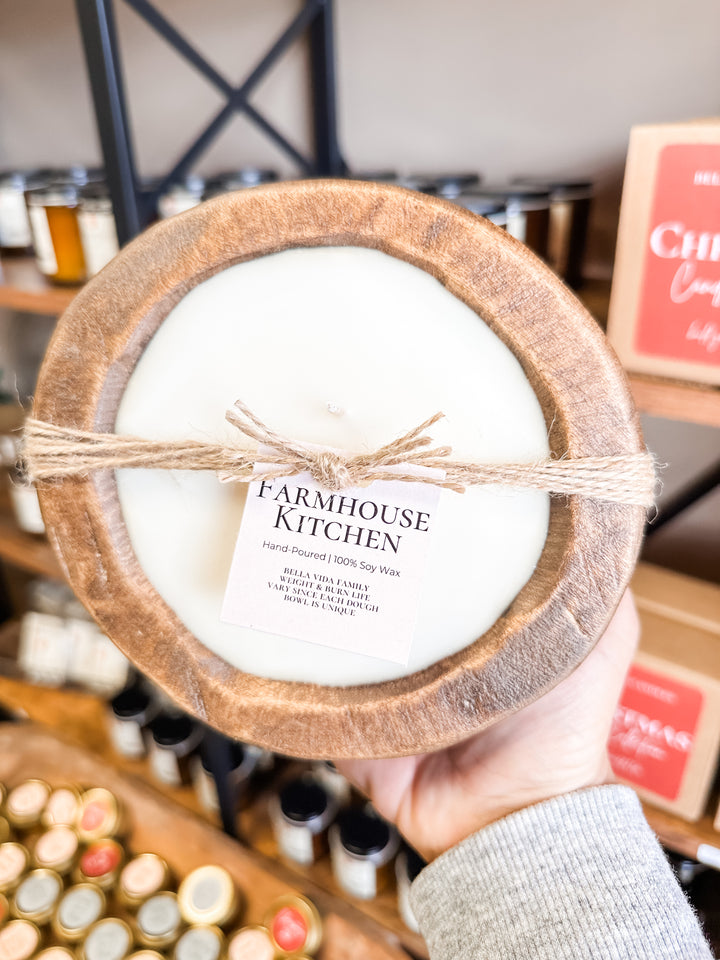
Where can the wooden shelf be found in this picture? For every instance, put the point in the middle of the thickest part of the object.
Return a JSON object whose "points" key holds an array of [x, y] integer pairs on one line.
{"points": [[27, 551], [687, 838], [23, 287], [658, 396], [675, 400]]}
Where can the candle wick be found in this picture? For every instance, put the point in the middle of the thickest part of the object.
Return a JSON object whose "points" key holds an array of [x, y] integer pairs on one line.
{"points": [[335, 409]]}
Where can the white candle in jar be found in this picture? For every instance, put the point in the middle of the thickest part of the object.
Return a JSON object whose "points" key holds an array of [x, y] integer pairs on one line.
{"points": [[344, 347]]}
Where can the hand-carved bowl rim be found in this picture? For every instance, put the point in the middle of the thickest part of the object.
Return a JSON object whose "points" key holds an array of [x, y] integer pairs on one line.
{"points": [[591, 548]]}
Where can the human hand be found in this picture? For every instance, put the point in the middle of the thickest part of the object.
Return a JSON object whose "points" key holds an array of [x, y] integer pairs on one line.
{"points": [[553, 746]]}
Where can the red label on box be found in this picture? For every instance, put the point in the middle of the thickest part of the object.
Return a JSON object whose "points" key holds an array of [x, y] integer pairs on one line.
{"points": [[679, 310], [653, 731]]}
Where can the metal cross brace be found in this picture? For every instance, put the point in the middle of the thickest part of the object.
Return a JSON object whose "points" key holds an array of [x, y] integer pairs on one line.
{"points": [[131, 205]]}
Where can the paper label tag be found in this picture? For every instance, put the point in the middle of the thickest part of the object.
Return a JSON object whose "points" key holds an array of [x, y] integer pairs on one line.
{"points": [[343, 569], [679, 311], [653, 731]]}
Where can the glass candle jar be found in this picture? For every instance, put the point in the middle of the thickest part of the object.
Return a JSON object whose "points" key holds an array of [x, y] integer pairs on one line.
{"points": [[19, 940], [362, 847], [158, 923], [527, 213], [251, 943], [570, 202], [108, 939], [96, 222], [99, 815], [242, 765], [15, 236], [131, 712], [332, 781], [408, 865], [56, 953], [23, 495], [79, 908], [52, 211], [57, 849], [451, 185], [300, 816], [208, 896], [200, 942], [37, 896], [242, 179], [62, 806], [141, 878], [294, 925], [489, 207], [178, 197], [25, 804], [100, 863], [174, 741], [14, 862]]}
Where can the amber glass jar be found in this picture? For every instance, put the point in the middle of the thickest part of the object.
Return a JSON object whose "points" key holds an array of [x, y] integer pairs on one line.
{"points": [[56, 234]]}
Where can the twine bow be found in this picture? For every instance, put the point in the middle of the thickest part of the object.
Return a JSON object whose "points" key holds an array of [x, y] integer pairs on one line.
{"points": [[53, 452]]}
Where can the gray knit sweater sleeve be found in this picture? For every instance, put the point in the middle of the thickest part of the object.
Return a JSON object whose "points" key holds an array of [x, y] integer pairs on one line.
{"points": [[580, 876]]}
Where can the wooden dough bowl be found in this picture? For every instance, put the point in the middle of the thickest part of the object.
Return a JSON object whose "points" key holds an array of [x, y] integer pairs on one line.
{"points": [[591, 548]]}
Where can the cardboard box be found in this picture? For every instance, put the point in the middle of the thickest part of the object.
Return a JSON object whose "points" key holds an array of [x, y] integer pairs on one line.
{"points": [[664, 314], [665, 739]]}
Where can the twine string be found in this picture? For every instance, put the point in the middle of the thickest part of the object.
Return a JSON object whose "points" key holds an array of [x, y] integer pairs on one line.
{"points": [[52, 452]]}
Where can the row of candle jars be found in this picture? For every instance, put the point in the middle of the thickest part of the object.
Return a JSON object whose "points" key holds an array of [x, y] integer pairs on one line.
{"points": [[311, 814], [66, 877], [67, 215]]}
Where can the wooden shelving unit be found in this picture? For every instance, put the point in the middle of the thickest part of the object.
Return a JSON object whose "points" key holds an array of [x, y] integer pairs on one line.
{"points": [[80, 717]]}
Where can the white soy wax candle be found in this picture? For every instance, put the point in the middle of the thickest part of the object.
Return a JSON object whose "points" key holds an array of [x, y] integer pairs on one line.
{"points": [[349, 348]]}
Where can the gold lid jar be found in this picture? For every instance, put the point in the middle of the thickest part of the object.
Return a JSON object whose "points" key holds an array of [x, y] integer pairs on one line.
{"points": [[108, 939], [56, 849], [141, 878], [294, 925], [251, 943], [14, 862], [19, 940], [200, 942], [158, 922], [37, 895], [25, 804], [100, 863], [56, 953], [61, 808], [99, 815], [207, 895], [146, 955], [79, 908]]}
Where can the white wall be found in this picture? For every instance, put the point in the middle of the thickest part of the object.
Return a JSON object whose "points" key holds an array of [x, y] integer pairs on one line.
{"points": [[509, 87], [506, 88]]}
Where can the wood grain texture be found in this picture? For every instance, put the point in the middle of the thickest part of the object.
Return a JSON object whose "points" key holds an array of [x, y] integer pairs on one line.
{"points": [[591, 549], [159, 826]]}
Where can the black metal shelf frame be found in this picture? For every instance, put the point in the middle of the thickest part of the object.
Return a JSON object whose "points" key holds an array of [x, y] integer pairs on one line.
{"points": [[132, 205]]}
